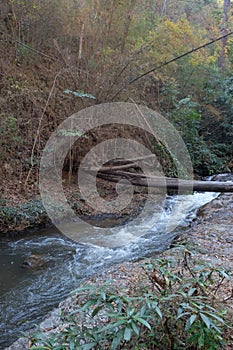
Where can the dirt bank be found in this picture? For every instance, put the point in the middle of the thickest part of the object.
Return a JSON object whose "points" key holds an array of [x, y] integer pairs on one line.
{"points": [[19, 212]]}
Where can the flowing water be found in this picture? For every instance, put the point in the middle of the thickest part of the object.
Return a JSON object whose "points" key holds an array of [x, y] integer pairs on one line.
{"points": [[27, 295]]}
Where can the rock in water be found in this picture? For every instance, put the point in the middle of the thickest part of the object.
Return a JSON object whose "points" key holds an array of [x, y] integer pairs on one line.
{"points": [[35, 261]]}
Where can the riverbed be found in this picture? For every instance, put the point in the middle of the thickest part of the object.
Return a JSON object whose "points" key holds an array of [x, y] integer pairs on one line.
{"points": [[27, 295]]}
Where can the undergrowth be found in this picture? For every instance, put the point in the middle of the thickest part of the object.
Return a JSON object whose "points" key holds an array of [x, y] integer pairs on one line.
{"points": [[22, 216], [178, 304]]}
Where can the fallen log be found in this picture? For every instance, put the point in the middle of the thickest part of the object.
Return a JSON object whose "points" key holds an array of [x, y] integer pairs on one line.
{"points": [[113, 168], [167, 182], [121, 163], [131, 160]]}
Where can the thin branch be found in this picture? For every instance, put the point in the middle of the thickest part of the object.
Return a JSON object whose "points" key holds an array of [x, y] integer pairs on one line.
{"points": [[55, 43], [81, 43], [164, 8], [30, 48], [117, 167]]}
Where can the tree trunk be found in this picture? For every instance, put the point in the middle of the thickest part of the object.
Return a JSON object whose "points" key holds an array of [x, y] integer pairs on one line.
{"points": [[222, 55], [167, 183], [115, 170], [127, 24]]}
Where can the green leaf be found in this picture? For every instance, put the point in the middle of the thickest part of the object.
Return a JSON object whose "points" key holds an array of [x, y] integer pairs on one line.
{"points": [[158, 311], [190, 321], [206, 320], [224, 274], [131, 311], [180, 311], [144, 322], [71, 132], [96, 311], [135, 328], [103, 294], [72, 344], [216, 317], [201, 341], [216, 328], [112, 325], [184, 101], [127, 334], [88, 346], [191, 291], [182, 315], [125, 299], [112, 297], [116, 341], [88, 304], [79, 93]]}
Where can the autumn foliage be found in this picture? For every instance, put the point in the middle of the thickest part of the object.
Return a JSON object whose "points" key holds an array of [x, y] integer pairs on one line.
{"points": [[96, 47]]}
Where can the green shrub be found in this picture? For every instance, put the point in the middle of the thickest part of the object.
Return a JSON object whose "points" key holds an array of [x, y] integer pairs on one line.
{"points": [[22, 216], [177, 306]]}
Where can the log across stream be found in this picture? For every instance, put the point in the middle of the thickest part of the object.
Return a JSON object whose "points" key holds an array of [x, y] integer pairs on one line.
{"points": [[167, 182], [129, 169]]}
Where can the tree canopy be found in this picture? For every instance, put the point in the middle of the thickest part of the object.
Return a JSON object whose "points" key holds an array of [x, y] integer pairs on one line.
{"points": [[94, 48]]}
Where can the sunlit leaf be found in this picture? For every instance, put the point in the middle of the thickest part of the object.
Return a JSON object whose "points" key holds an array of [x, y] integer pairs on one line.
{"points": [[135, 328], [144, 322], [190, 321], [206, 320], [79, 93], [127, 334]]}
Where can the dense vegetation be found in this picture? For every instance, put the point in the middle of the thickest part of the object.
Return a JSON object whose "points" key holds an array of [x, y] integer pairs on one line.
{"points": [[94, 48], [175, 304]]}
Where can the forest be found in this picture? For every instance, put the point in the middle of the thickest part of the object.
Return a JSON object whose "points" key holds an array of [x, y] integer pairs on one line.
{"points": [[59, 57]]}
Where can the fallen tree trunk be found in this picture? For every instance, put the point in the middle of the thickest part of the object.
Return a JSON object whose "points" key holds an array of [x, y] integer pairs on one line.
{"points": [[121, 163], [167, 182]]}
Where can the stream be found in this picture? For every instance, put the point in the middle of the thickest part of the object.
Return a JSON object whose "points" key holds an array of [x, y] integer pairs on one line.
{"points": [[27, 295]]}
